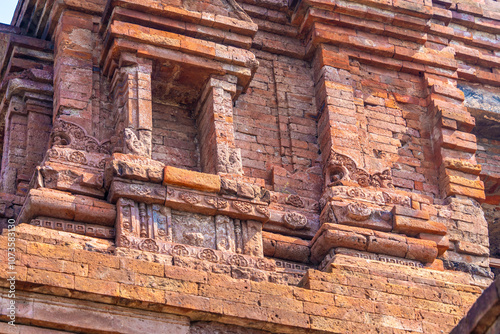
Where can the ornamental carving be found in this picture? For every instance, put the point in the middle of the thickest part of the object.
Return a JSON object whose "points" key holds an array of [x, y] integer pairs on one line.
{"points": [[378, 197], [237, 260], [358, 211], [149, 245], [211, 201], [138, 144], [294, 200], [189, 198], [208, 255], [179, 250], [243, 207], [343, 168], [295, 220], [263, 209], [66, 134], [124, 242], [222, 203]]}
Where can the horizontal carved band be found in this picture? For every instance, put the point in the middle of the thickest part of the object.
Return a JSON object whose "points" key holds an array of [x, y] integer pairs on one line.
{"points": [[89, 230]]}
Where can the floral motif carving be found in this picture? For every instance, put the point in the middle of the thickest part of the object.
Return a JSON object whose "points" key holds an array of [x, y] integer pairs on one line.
{"points": [[243, 206], [209, 255], [381, 198], [265, 265], [294, 200], [237, 260], [295, 220], [149, 245], [263, 209], [124, 242], [179, 250], [66, 134], [189, 198], [343, 168], [212, 201], [222, 203], [358, 211]]}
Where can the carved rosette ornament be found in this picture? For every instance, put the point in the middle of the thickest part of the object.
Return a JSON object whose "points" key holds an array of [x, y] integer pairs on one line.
{"points": [[342, 168], [149, 245], [237, 260], [294, 200], [179, 250], [295, 220], [358, 211], [209, 255]]}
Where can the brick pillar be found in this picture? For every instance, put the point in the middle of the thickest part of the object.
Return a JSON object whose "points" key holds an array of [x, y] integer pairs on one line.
{"points": [[455, 147], [131, 87], [73, 68], [218, 151], [39, 126], [337, 129], [14, 156]]}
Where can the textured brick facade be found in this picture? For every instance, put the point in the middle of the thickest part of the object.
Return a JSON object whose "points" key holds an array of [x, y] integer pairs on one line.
{"points": [[249, 166]]}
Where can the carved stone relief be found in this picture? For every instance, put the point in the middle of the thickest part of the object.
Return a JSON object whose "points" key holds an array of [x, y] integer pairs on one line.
{"points": [[160, 223], [342, 168], [358, 214], [140, 144], [80, 158], [225, 234], [207, 254], [66, 134], [329, 258], [252, 237], [386, 197], [89, 230], [229, 160], [193, 229], [294, 220]]}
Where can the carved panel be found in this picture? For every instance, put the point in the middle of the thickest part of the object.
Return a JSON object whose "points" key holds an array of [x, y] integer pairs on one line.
{"points": [[66, 134], [200, 202], [193, 229], [386, 197], [252, 238], [162, 223], [358, 214], [225, 235], [342, 168], [329, 258], [127, 219]]}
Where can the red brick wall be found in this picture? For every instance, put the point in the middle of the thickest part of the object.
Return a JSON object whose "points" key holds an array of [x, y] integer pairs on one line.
{"points": [[275, 125], [175, 140], [393, 126]]}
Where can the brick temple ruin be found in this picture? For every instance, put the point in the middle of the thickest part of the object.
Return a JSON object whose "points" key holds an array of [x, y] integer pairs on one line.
{"points": [[248, 166]]}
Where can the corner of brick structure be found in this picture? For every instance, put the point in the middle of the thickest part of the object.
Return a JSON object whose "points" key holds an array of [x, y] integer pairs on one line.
{"points": [[248, 166]]}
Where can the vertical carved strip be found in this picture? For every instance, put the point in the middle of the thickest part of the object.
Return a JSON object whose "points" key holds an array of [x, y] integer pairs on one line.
{"points": [[143, 222], [225, 233]]}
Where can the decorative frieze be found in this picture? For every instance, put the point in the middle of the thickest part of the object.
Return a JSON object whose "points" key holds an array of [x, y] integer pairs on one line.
{"points": [[89, 230], [161, 223]]}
